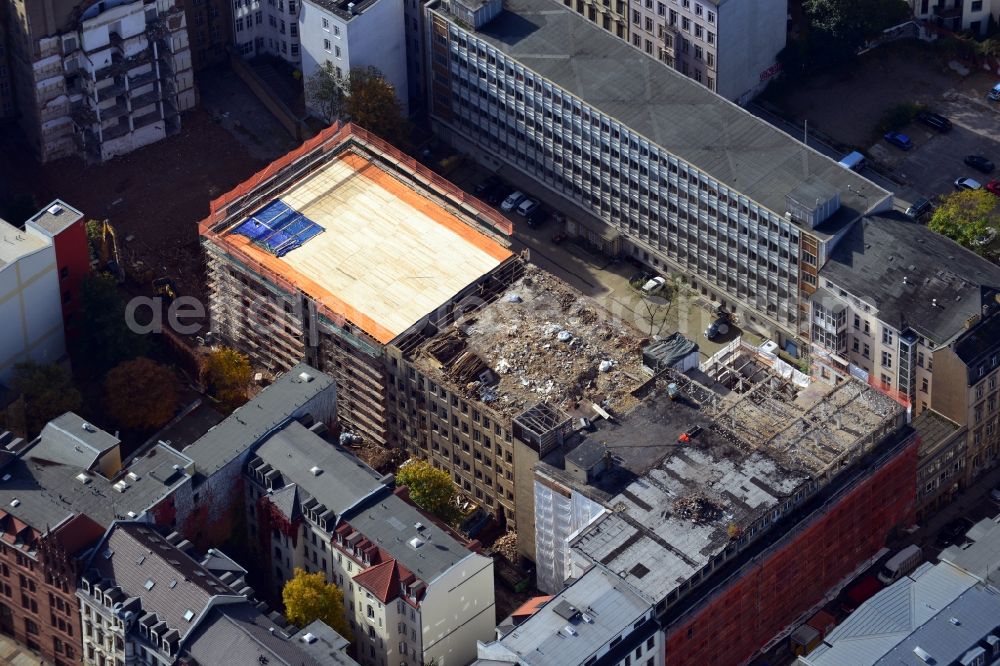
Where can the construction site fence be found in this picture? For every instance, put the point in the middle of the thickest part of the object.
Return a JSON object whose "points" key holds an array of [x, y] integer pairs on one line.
{"points": [[249, 194]]}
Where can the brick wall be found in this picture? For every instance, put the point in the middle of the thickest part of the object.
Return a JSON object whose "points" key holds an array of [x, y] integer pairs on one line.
{"points": [[790, 578]]}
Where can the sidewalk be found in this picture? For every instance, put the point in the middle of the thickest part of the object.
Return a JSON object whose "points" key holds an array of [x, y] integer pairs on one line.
{"points": [[15, 654]]}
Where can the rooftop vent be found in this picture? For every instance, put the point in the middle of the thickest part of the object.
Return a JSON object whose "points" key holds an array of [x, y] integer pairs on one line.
{"points": [[89, 428], [955, 621], [6, 477], [120, 486], [149, 584], [418, 526], [923, 654], [305, 377], [308, 638], [15, 502], [132, 514], [416, 543], [55, 209], [83, 478], [316, 471], [570, 631]]}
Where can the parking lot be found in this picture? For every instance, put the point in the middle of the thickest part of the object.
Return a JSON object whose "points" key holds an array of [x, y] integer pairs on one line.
{"points": [[846, 106], [930, 168], [600, 277]]}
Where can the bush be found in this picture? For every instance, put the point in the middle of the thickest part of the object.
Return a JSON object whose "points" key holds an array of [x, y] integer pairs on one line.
{"points": [[899, 116]]}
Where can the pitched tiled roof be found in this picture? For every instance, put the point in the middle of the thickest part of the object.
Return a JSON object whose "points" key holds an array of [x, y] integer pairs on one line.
{"points": [[382, 580]]}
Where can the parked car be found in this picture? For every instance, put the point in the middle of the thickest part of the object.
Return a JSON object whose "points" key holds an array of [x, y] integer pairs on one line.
{"points": [[994, 93], [979, 163], [993, 187], [934, 121], [953, 532], [512, 200], [899, 140], [527, 206], [854, 161], [918, 209], [719, 327], [965, 183], [537, 217], [985, 239], [485, 186], [653, 285]]}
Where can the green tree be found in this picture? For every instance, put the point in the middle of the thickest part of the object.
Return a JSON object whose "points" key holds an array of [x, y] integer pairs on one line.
{"points": [[141, 394], [326, 93], [851, 21], [431, 489], [372, 103], [308, 597], [48, 392], [228, 375], [104, 337], [967, 218]]}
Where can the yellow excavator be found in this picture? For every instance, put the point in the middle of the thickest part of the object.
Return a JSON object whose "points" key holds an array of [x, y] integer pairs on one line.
{"points": [[110, 258]]}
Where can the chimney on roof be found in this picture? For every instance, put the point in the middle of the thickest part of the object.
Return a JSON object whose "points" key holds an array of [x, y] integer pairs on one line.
{"points": [[933, 302]]}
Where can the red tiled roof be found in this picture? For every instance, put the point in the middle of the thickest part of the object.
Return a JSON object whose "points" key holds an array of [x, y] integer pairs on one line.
{"points": [[530, 607], [382, 580]]}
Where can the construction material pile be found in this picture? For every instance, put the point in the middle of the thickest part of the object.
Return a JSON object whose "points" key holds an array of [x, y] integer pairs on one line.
{"points": [[506, 547], [540, 341], [697, 508]]}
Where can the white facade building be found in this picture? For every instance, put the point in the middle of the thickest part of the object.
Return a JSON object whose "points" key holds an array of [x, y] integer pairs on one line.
{"points": [[350, 35], [958, 15], [115, 81], [30, 299], [267, 27]]}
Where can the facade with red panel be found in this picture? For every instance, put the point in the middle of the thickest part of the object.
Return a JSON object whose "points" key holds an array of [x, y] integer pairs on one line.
{"points": [[66, 228], [785, 580]]}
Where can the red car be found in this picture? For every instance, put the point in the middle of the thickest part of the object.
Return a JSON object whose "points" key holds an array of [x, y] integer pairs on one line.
{"points": [[994, 187]]}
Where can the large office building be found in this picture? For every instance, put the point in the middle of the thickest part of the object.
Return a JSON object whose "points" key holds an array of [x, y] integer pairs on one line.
{"points": [[690, 182], [98, 80], [717, 498], [729, 46], [335, 250]]}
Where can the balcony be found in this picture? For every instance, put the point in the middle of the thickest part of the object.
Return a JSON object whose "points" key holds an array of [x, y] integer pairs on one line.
{"points": [[107, 92], [118, 109], [948, 13], [140, 80], [148, 119], [115, 131], [145, 99]]}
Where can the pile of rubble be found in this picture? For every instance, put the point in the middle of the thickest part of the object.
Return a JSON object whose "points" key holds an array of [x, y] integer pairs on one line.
{"points": [[506, 547], [697, 507], [541, 340]]}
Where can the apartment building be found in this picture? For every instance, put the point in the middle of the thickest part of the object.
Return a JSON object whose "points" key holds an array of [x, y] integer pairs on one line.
{"points": [[41, 274], [895, 302], [209, 30], [148, 598], [100, 81], [207, 506], [270, 28], [687, 181], [729, 46], [958, 15], [464, 383], [300, 268], [598, 620], [40, 560], [415, 592], [348, 35], [941, 461]]}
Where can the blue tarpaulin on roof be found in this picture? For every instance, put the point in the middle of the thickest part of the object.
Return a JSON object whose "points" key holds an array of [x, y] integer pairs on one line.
{"points": [[278, 228]]}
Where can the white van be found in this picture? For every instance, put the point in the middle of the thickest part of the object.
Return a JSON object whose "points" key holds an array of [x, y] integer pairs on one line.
{"points": [[854, 161], [901, 564]]}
